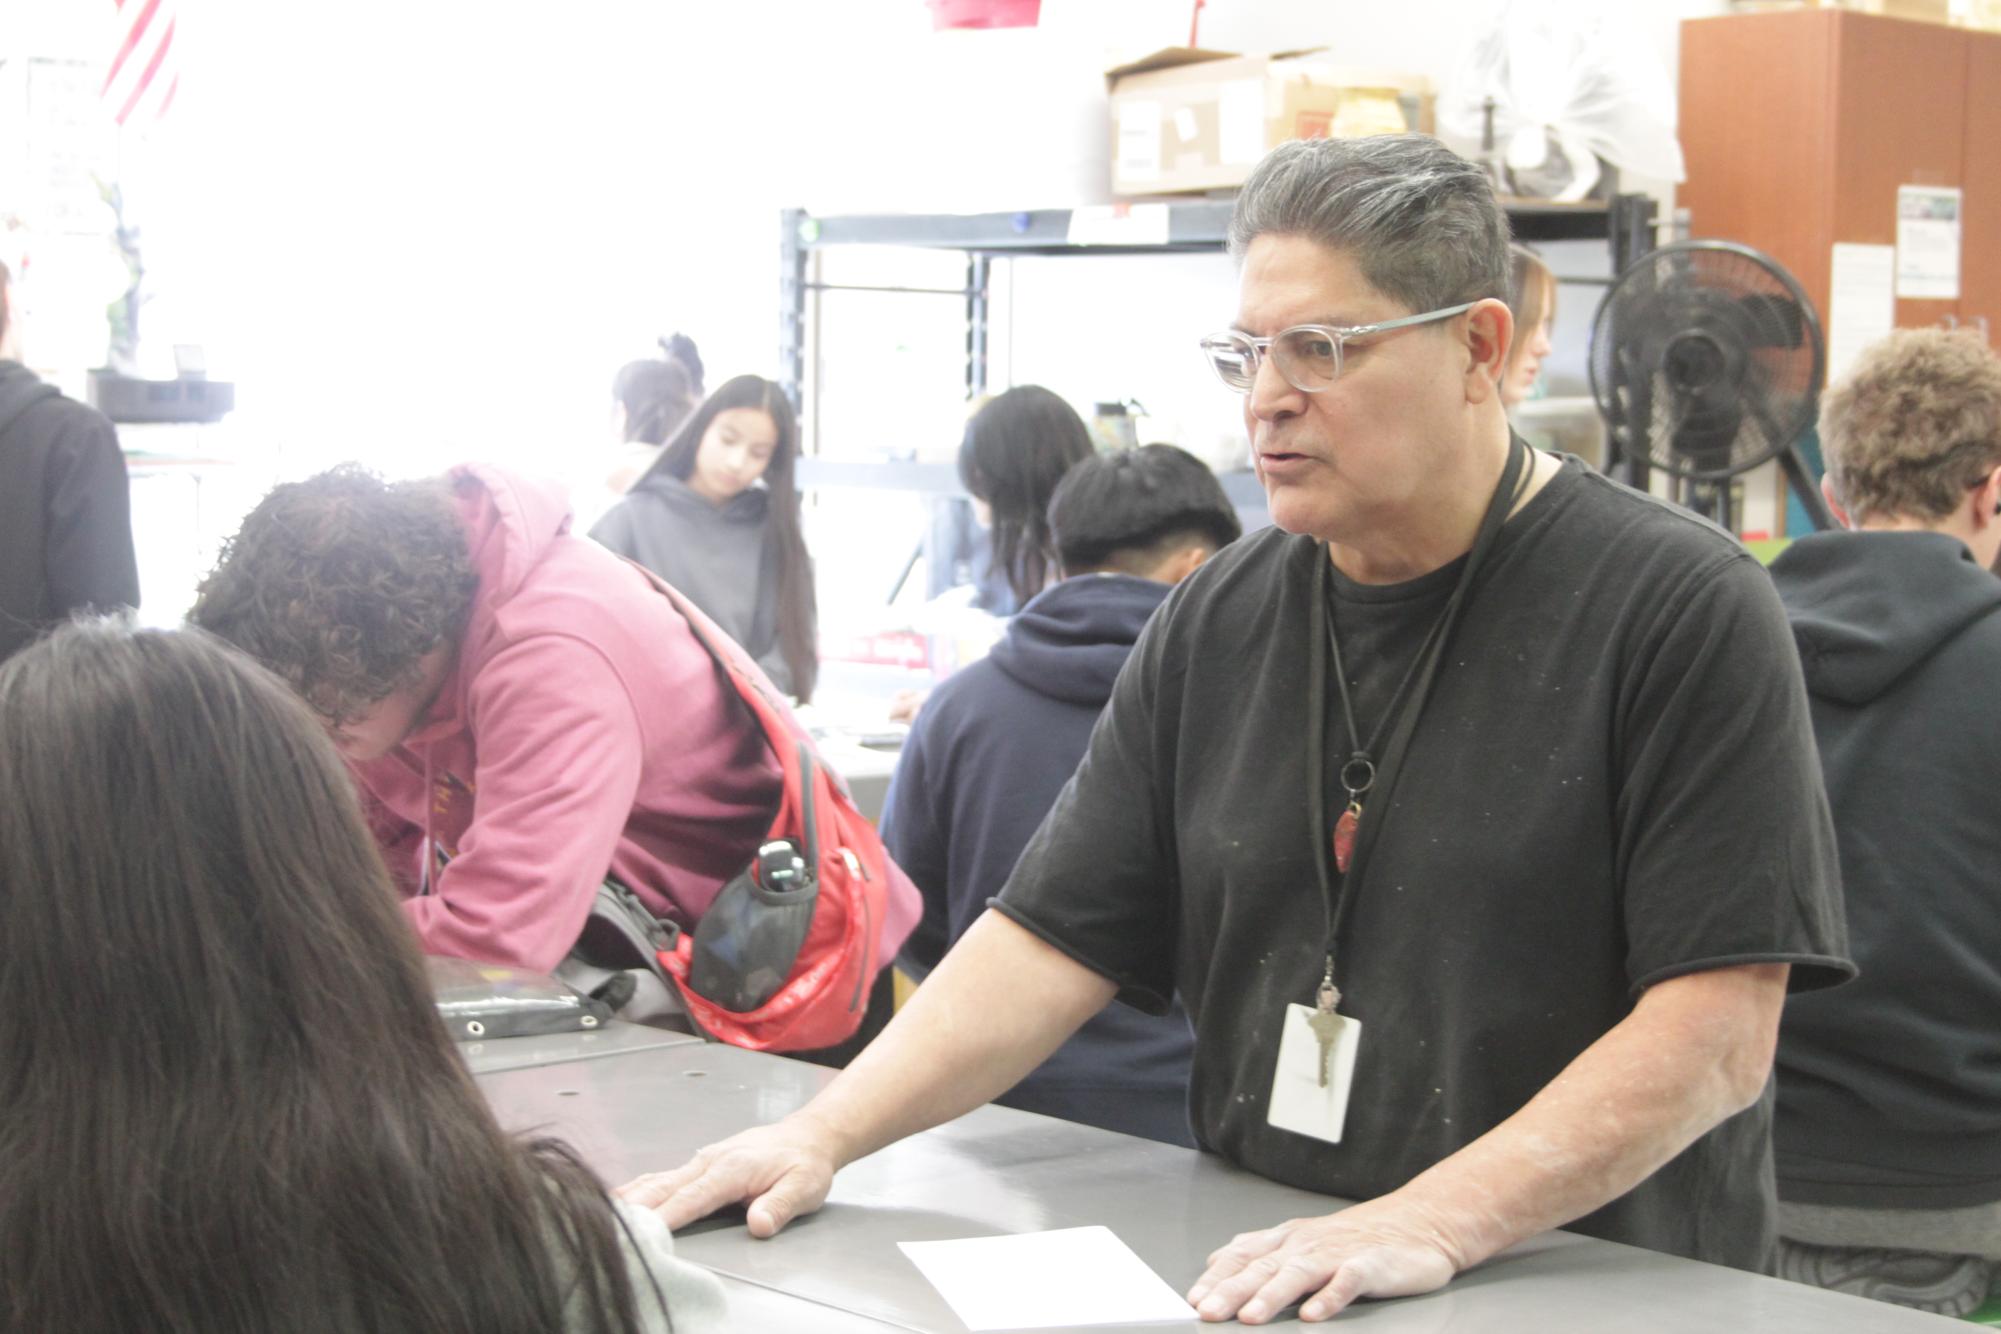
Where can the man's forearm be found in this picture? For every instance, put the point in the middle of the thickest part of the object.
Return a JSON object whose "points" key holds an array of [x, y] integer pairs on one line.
{"points": [[1695, 1051], [995, 1008]]}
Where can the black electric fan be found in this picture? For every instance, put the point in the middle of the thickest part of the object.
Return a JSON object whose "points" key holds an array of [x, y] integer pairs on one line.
{"points": [[1706, 361]]}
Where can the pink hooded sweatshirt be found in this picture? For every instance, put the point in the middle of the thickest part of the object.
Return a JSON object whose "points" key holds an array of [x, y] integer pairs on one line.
{"points": [[582, 729]]}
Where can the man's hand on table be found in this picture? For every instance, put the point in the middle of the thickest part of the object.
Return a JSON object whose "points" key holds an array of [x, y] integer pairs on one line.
{"points": [[1370, 1250], [780, 1171]]}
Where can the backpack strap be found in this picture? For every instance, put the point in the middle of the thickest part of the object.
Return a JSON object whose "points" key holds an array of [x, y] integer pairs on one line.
{"points": [[794, 750]]}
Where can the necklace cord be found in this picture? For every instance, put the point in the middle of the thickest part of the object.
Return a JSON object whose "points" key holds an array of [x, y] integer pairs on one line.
{"points": [[1508, 491]]}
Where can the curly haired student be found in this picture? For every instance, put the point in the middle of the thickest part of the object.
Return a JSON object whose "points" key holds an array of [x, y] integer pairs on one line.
{"points": [[527, 715]]}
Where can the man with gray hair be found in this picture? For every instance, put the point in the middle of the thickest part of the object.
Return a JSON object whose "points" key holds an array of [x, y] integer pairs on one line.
{"points": [[1472, 811]]}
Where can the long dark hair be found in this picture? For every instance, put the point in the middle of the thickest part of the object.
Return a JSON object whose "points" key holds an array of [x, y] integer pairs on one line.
{"points": [[798, 610], [1531, 294], [1016, 450], [226, 1100], [659, 392]]}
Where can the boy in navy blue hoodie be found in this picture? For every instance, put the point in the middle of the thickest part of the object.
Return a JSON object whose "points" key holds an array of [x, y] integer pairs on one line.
{"points": [[997, 742]]}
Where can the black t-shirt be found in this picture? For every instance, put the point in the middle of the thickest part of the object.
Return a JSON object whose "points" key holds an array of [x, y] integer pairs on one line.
{"points": [[1613, 783]]}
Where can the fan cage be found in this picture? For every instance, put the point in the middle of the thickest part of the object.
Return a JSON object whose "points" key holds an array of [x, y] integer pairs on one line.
{"points": [[1706, 360]]}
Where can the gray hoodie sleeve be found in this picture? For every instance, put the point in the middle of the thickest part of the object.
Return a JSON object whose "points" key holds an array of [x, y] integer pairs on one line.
{"points": [[693, 1295]]}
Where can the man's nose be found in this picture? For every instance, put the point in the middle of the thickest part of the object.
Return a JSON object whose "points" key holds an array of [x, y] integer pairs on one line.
{"points": [[1273, 396]]}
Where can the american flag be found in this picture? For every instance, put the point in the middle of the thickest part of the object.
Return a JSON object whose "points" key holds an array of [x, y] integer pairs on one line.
{"points": [[144, 73]]}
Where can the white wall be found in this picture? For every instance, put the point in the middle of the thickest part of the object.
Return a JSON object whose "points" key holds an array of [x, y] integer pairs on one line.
{"points": [[413, 231]]}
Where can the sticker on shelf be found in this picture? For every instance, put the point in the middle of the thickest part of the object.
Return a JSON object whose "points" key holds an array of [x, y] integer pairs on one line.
{"points": [[1119, 224]]}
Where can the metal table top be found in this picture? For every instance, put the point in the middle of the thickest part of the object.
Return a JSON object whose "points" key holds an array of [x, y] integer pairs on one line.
{"points": [[756, 1310], [614, 1039], [1003, 1171]]}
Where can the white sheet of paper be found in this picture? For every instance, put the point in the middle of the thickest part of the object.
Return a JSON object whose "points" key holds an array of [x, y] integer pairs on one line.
{"points": [[1139, 141], [1928, 229], [1862, 302], [1298, 1101], [1240, 114], [1044, 1280]]}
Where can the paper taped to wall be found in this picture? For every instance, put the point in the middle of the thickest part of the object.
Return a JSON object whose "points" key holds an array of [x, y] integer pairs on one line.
{"points": [[1861, 302], [1928, 231]]}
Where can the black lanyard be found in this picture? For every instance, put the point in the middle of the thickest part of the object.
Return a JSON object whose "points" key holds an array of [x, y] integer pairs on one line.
{"points": [[1506, 493]]}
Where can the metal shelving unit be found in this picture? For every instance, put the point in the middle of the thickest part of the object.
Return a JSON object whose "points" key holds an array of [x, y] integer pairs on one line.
{"points": [[1626, 222]]}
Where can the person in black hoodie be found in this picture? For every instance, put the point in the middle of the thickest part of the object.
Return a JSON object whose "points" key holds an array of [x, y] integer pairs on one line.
{"points": [[1888, 1131], [997, 742], [65, 503]]}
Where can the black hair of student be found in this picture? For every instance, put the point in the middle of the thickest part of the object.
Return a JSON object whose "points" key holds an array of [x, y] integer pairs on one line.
{"points": [[785, 542], [1017, 448], [227, 1102], [680, 349], [1121, 511], [659, 392]]}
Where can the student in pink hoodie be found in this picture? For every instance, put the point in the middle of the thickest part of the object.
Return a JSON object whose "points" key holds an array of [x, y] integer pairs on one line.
{"points": [[524, 712]]}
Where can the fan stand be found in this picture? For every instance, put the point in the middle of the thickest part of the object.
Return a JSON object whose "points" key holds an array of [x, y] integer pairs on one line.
{"points": [[1713, 498], [1800, 477]]}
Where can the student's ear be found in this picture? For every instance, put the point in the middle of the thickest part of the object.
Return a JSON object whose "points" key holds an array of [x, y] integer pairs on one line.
{"points": [[1490, 332], [1183, 563], [1987, 500], [1834, 503]]}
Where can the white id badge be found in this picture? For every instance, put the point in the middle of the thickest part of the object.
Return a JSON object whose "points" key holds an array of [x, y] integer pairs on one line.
{"points": [[1298, 1102]]}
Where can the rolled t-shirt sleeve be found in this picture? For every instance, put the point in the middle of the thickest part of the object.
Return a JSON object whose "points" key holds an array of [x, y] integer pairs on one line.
{"points": [[1726, 847], [1099, 881]]}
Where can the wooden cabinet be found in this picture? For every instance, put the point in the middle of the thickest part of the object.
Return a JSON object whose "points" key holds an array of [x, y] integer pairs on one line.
{"points": [[1980, 246], [1798, 127]]}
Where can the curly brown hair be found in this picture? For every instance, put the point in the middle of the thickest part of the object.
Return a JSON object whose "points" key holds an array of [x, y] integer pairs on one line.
{"points": [[341, 583], [1913, 424]]}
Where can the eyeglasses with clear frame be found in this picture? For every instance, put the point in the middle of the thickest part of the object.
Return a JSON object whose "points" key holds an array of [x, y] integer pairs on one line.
{"points": [[1307, 355]]}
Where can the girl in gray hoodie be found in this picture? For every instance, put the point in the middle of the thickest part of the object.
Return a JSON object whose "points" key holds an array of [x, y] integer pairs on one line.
{"points": [[717, 516]]}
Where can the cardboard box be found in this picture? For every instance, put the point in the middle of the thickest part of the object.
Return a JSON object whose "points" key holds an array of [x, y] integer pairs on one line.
{"points": [[1186, 120]]}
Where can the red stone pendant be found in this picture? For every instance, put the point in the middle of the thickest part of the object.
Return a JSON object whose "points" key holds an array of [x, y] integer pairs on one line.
{"points": [[1344, 837]]}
